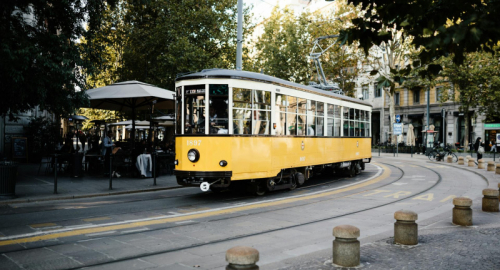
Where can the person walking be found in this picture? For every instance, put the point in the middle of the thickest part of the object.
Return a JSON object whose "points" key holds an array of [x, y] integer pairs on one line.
{"points": [[493, 145], [479, 147], [107, 147]]}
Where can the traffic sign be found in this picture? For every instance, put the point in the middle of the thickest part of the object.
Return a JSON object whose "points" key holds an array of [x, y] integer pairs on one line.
{"points": [[398, 118], [398, 128]]}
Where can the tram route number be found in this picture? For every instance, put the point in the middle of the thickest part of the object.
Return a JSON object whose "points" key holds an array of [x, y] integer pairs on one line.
{"points": [[194, 142]]}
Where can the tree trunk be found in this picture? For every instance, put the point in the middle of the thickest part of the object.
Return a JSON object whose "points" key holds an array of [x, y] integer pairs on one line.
{"points": [[466, 130], [392, 113]]}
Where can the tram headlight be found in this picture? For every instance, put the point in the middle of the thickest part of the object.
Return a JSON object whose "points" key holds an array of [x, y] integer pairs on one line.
{"points": [[193, 155]]}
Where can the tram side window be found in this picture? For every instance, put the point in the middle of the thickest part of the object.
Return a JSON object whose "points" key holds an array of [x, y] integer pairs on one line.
{"points": [[194, 112], [362, 124], [301, 119], [345, 118], [280, 114], [338, 121], [311, 118], [262, 112], [242, 111], [320, 112], [291, 116], [218, 108], [330, 113]]}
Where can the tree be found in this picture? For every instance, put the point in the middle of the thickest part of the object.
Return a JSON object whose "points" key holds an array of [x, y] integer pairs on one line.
{"points": [[389, 63], [476, 80], [282, 49], [340, 61], [440, 27], [41, 63], [154, 42]]}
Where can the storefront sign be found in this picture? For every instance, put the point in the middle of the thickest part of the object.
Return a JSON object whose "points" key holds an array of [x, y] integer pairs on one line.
{"points": [[492, 126]]}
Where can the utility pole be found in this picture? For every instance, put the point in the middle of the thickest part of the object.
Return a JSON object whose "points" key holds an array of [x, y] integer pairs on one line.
{"points": [[239, 41]]}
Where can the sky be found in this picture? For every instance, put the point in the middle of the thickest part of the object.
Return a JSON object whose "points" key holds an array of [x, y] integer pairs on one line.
{"points": [[262, 8]]}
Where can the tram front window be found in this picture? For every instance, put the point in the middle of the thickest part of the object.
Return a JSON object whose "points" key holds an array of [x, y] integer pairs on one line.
{"points": [[218, 109], [194, 112]]}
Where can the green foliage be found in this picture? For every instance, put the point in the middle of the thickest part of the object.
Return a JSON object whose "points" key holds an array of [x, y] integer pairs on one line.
{"points": [[283, 49], [41, 63], [96, 114], [440, 27], [154, 41]]}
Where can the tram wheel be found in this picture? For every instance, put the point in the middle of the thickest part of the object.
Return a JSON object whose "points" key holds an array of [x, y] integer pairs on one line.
{"points": [[293, 182], [261, 190], [351, 171]]}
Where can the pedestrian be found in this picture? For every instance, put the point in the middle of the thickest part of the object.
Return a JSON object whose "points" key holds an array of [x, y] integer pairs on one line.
{"points": [[107, 147], [83, 139], [479, 147], [493, 146]]}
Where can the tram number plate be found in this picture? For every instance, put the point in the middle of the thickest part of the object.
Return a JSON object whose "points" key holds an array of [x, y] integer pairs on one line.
{"points": [[193, 142]]}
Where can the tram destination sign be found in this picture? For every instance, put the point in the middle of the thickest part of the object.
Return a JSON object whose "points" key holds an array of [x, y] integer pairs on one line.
{"points": [[195, 91]]}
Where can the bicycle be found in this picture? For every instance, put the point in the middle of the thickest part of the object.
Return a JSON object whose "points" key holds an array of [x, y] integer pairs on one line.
{"points": [[436, 155]]}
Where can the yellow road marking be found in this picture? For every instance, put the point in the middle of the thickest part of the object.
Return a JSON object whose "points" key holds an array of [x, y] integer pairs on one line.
{"points": [[377, 191], [96, 219], [145, 223], [448, 198], [194, 209], [41, 225], [425, 197], [397, 194]]}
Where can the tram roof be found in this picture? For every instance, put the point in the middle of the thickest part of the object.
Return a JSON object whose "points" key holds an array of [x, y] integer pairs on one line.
{"points": [[254, 76]]}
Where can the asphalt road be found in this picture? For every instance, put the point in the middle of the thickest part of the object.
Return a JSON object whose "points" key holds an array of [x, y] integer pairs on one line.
{"points": [[186, 228]]}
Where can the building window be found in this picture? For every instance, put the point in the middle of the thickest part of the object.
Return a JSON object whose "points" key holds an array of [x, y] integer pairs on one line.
{"points": [[378, 92], [416, 96], [439, 92], [366, 93], [396, 99]]}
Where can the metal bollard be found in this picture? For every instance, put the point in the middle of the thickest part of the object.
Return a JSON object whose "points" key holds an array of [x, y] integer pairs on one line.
{"points": [[491, 166], [449, 159], [241, 257], [110, 171], [471, 163], [461, 161], [480, 164], [497, 171], [462, 213], [55, 173], [490, 200], [405, 228], [346, 247]]}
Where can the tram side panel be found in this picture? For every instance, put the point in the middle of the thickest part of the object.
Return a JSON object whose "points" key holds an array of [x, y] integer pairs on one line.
{"points": [[252, 158]]}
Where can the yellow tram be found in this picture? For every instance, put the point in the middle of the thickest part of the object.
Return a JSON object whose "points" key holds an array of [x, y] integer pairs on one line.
{"points": [[238, 128]]}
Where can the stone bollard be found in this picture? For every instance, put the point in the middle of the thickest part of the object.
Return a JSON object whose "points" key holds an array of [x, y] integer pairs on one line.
{"points": [[462, 213], [467, 159], [480, 164], [491, 166], [490, 200], [346, 247], [241, 257], [471, 163], [461, 161], [497, 171], [449, 159], [405, 228]]}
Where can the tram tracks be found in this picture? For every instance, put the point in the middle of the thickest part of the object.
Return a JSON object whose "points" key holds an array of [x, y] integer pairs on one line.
{"points": [[241, 236]]}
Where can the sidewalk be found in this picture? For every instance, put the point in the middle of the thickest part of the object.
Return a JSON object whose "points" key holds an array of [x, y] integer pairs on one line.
{"points": [[31, 187]]}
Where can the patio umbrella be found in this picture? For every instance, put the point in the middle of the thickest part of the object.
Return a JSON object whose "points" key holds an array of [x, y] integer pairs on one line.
{"points": [[130, 96], [410, 136]]}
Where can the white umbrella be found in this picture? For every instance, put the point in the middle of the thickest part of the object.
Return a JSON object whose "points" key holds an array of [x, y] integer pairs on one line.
{"points": [[130, 96], [410, 136], [125, 123]]}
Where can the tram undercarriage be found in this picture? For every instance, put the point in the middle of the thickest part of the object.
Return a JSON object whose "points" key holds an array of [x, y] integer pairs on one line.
{"points": [[286, 179]]}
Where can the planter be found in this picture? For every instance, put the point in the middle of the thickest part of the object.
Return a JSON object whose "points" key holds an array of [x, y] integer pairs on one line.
{"points": [[8, 178]]}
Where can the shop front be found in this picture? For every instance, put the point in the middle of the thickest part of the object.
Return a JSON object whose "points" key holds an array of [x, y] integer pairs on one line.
{"points": [[491, 135]]}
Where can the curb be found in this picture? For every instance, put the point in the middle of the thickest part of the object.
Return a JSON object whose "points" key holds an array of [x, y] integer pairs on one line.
{"points": [[92, 195]]}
